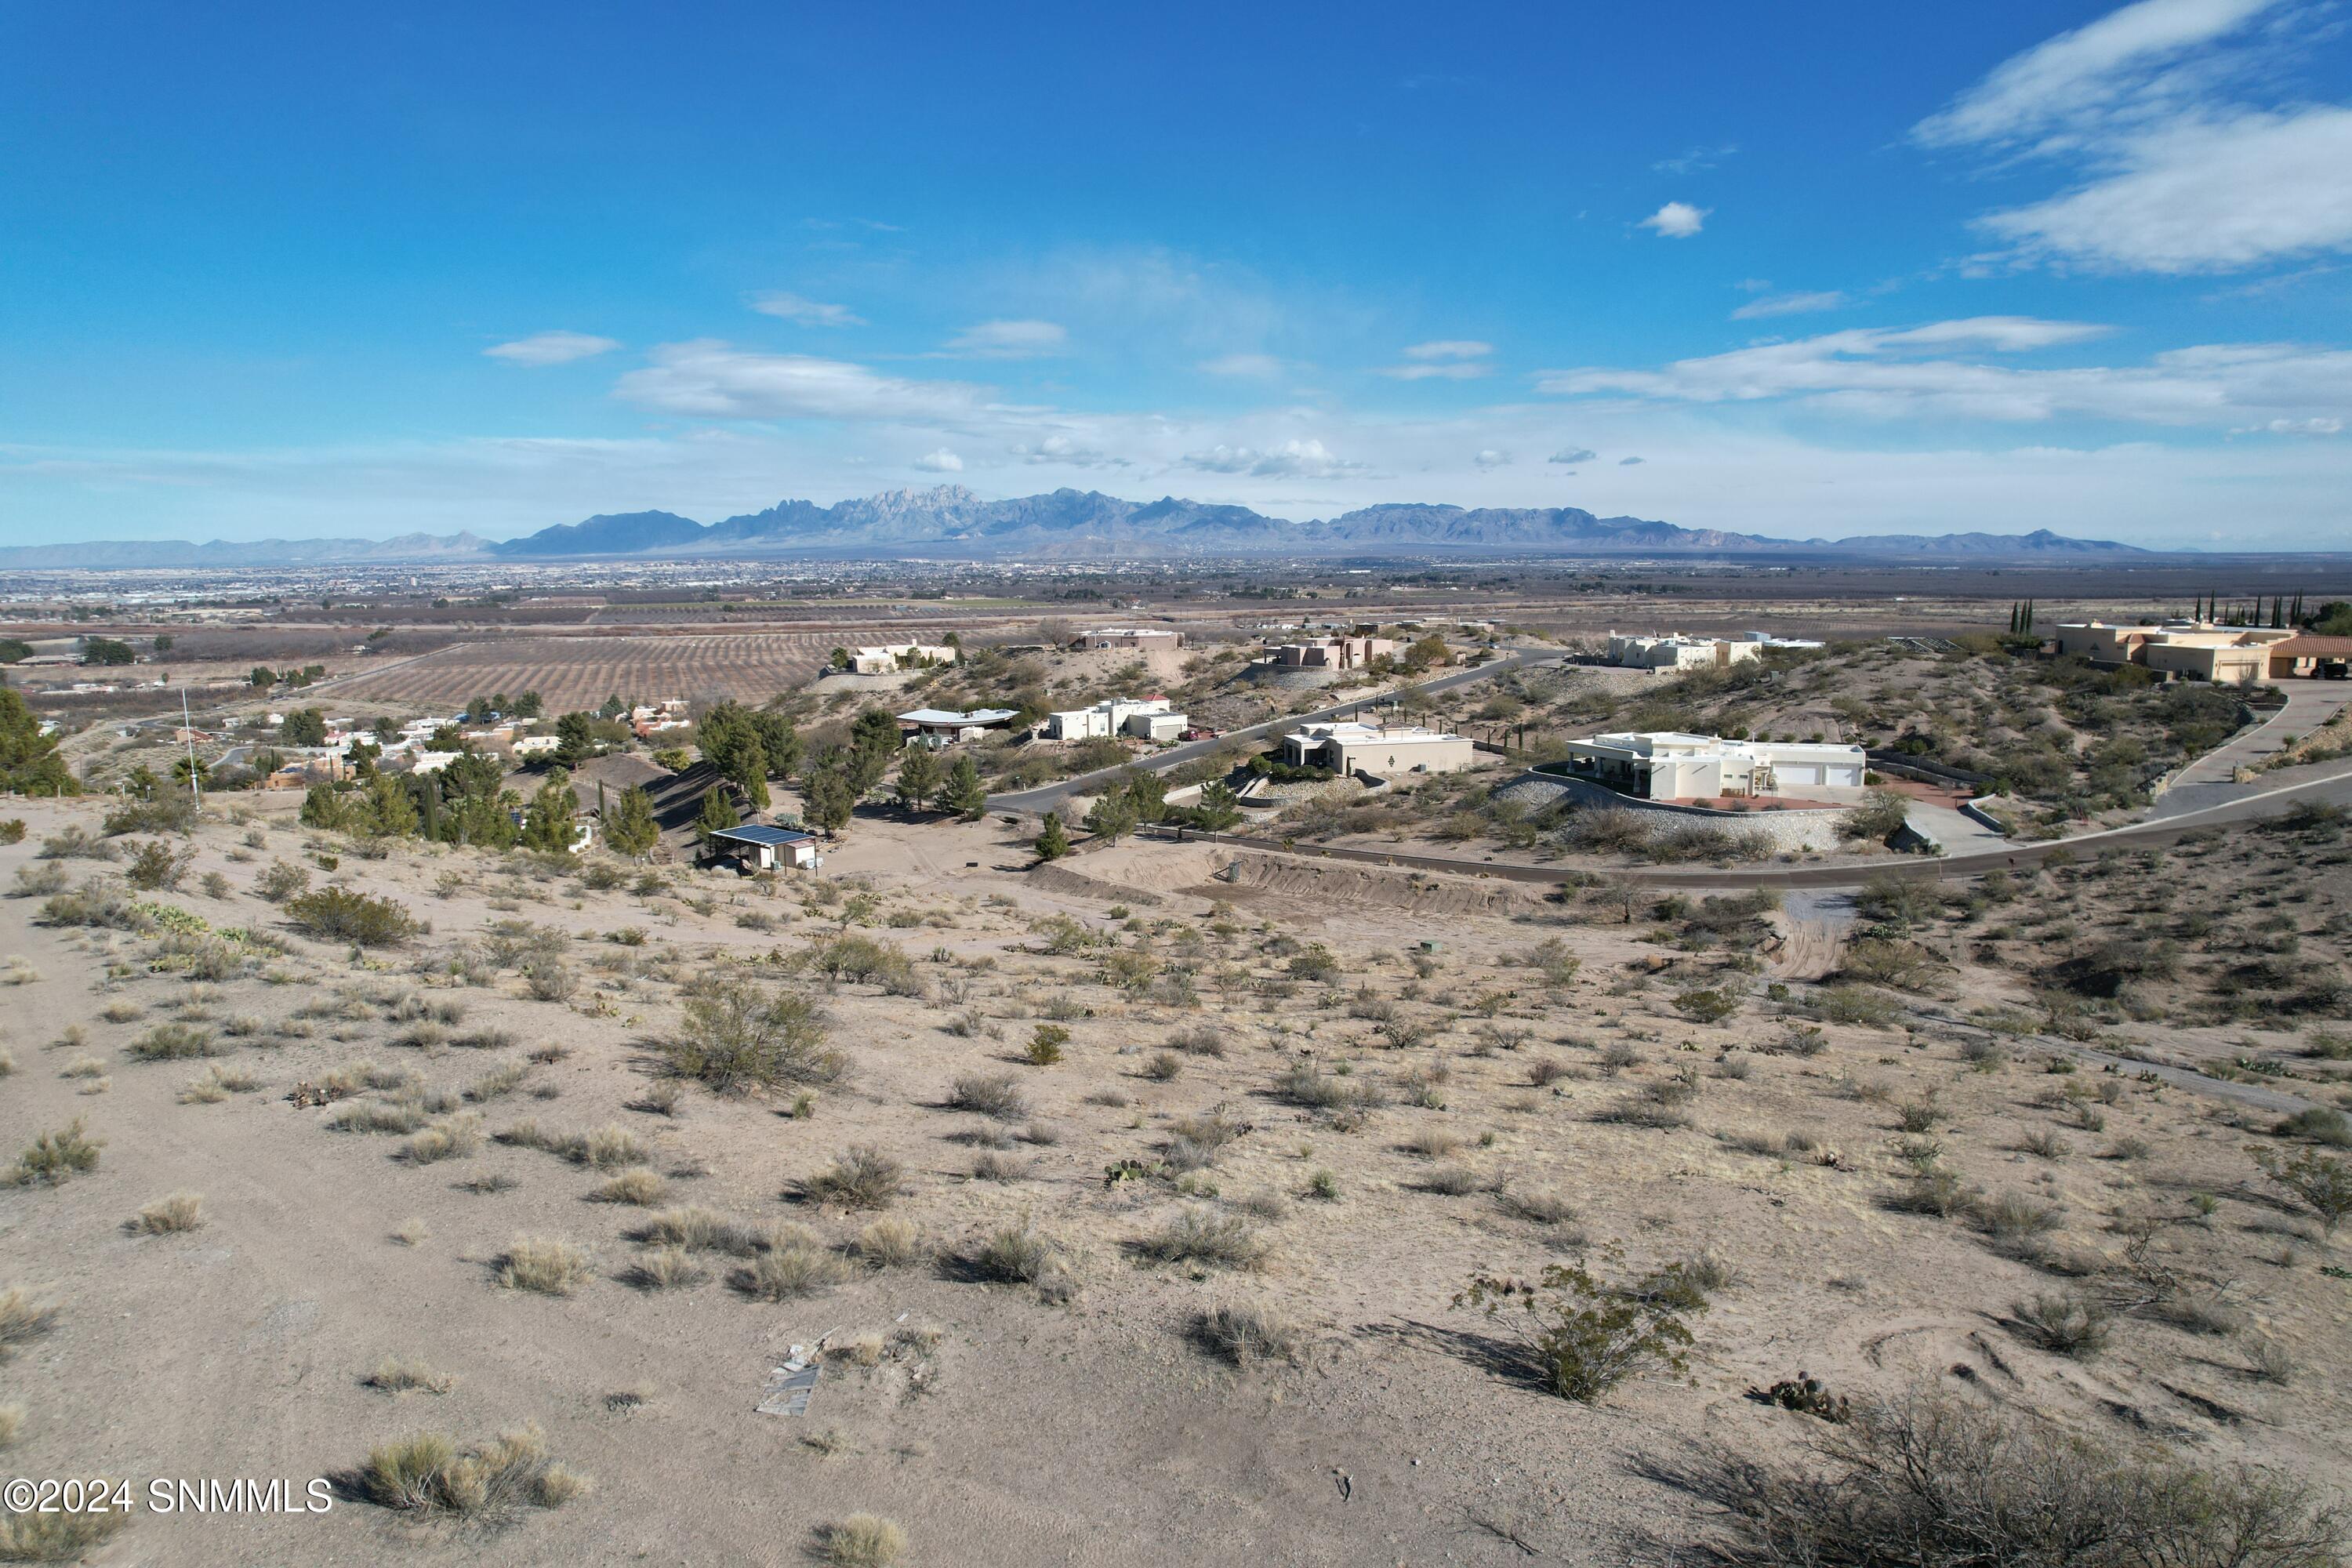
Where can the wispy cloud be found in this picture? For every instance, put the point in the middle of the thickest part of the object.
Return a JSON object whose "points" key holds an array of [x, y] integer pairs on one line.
{"points": [[709, 379], [1261, 367], [2179, 167], [941, 461], [1693, 159], [1445, 358], [1009, 340], [1294, 458], [1911, 372], [803, 311], [1677, 220], [1789, 305], [1492, 457], [1572, 455], [552, 347]]}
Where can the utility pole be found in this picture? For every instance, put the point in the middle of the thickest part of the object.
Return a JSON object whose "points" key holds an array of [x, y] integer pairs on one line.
{"points": [[195, 796]]}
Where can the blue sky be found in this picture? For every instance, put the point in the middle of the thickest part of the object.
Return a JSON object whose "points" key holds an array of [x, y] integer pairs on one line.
{"points": [[1837, 269]]}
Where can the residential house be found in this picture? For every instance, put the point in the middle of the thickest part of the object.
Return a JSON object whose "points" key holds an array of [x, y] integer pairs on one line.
{"points": [[892, 658], [1382, 750], [1678, 652], [1664, 764], [939, 727], [2191, 651], [1344, 652], [1141, 638], [1117, 716]]}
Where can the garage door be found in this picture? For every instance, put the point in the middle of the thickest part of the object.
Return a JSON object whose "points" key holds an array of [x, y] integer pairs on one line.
{"points": [[1798, 774]]}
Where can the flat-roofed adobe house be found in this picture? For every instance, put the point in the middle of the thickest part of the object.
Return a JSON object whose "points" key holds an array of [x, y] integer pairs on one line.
{"points": [[764, 847], [894, 656], [1138, 637], [1664, 764], [1679, 652], [2192, 650], [1381, 751]]}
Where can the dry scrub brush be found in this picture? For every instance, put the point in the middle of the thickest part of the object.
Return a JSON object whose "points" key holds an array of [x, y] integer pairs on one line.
{"points": [[428, 1475], [738, 1037]]}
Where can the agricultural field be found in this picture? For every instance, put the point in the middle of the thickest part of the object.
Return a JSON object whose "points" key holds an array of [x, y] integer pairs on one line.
{"points": [[572, 673]]}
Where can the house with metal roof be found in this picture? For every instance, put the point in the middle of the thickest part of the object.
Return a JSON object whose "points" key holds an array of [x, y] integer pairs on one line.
{"points": [[763, 847], [940, 725]]}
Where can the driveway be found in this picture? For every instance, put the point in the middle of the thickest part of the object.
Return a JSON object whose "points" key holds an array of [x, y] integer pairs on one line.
{"points": [[1045, 797], [2207, 781]]}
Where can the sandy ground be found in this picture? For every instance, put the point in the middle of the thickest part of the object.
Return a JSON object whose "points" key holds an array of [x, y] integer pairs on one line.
{"points": [[1088, 1432]]}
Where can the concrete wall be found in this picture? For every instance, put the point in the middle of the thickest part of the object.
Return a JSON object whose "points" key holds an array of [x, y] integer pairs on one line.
{"points": [[1787, 832]]}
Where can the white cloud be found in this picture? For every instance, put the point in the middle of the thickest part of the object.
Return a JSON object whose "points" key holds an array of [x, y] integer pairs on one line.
{"points": [[2312, 427], [715, 380], [1677, 220], [1789, 305], [552, 347], [2177, 168], [1572, 455], [1879, 373], [1428, 370], [941, 461], [1065, 451], [1492, 457], [1450, 348], [1009, 340], [805, 312], [1694, 159], [1293, 459], [1259, 367], [1630, 462]]}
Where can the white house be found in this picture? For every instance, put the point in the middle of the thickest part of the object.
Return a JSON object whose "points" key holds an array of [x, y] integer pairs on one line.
{"points": [[1680, 652], [1119, 715], [939, 725], [896, 657], [537, 746], [1664, 764], [1382, 750]]}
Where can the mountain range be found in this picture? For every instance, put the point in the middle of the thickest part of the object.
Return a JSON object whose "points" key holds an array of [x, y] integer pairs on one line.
{"points": [[1077, 525]]}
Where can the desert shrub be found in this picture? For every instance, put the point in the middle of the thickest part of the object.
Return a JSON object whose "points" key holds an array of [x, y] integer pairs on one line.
{"points": [[1203, 1235], [12, 831], [1856, 1005], [426, 1474], [888, 1243], [1016, 1254], [1904, 966], [665, 1268], [54, 1158], [699, 1229], [68, 1535], [75, 843], [1932, 1481], [169, 1215], [38, 880], [861, 1540], [994, 1095], [24, 1317], [1200, 1040], [154, 867], [1248, 1333], [862, 959], [282, 880], [456, 1139], [1879, 817], [2061, 1321], [640, 1187], [1707, 1006], [399, 1374], [550, 980], [1045, 1044], [2320, 1125], [1305, 1084], [551, 1266], [173, 1042], [1577, 1337], [96, 903], [2323, 1185], [169, 811], [739, 1036], [337, 915], [863, 1178], [1539, 1205], [793, 1268]]}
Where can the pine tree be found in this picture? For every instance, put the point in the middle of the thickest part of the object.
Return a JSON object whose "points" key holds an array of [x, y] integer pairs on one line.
{"points": [[629, 827], [1114, 816], [827, 796], [547, 826], [919, 777], [1054, 842], [718, 813], [966, 796]]}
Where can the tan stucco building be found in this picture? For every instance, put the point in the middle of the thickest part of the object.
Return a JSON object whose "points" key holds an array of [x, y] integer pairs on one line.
{"points": [[1379, 750], [2189, 651]]}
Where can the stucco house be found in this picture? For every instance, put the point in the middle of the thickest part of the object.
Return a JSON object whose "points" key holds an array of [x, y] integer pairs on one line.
{"points": [[1664, 764], [2191, 651], [1678, 652], [1382, 750], [1117, 716]]}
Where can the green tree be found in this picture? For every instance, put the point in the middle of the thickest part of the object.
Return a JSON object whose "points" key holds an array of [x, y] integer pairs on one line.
{"points": [[164, 642], [108, 650], [1053, 840], [29, 763], [966, 795], [780, 743], [919, 777], [1147, 792], [391, 810], [323, 807], [839, 659], [576, 738], [718, 813], [1114, 816], [629, 827], [547, 825], [186, 766], [874, 739], [826, 795], [1220, 808], [304, 727], [15, 650], [530, 705]]}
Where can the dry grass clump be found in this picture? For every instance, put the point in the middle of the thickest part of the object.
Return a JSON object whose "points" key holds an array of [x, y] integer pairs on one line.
{"points": [[1933, 1480], [428, 1475], [2061, 1322], [173, 1042], [83, 1066], [54, 1158], [699, 1229], [396, 1374], [411, 1233], [168, 1215], [23, 1319], [607, 1147], [217, 1084], [369, 1116], [1203, 1235], [544, 1264], [863, 1178], [993, 1095], [994, 1167], [861, 1540], [1452, 1182], [1016, 1254], [12, 1422], [888, 1243], [640, 1186], [66, 1536], [1247, 1333], [1433, 1143], [456, 1139], [665, 1268], [795, 1264], [1537, 1206]]}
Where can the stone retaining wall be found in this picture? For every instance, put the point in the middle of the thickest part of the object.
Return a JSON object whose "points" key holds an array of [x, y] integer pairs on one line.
{"points": [[1787, 832]]}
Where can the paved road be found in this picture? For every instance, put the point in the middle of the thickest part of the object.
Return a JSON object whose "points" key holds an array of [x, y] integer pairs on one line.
{"points": [[2336, 787], [1047, 797], [2207, 781]]}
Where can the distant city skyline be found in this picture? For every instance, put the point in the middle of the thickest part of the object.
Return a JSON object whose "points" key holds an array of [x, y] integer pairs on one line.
{"points": [[303, 272]]}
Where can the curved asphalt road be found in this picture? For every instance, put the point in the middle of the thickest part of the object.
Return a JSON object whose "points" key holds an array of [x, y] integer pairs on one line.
{"points": [[1045, 797]]}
